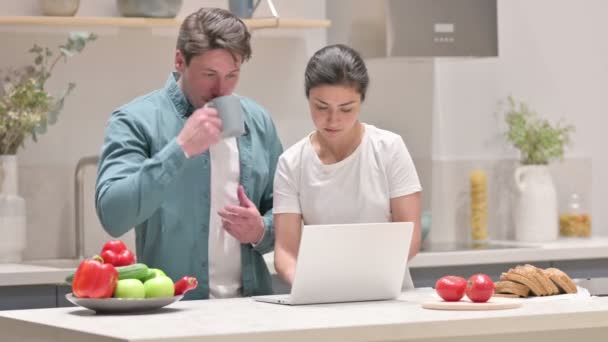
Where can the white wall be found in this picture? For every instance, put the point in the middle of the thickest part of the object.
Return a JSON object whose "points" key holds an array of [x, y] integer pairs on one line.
{"points": [[553, 55], [120, 65], [400, 99]]}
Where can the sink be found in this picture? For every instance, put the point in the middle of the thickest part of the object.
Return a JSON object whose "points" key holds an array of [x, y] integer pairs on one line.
{"points": [[54, 263], [595, 286], [470, 246]]}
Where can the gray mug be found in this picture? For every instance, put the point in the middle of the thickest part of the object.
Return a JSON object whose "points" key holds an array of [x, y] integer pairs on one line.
{"points": [[231, 113], [243, 8]]}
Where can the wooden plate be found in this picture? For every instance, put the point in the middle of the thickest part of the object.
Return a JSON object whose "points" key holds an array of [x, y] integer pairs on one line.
{"points": [[494, 303]]}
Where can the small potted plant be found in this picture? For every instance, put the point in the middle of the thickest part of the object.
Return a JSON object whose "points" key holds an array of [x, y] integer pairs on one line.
{"points": [[26, 109], [539, 143]]}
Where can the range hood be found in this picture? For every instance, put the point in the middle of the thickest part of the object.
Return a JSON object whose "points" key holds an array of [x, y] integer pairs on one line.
{"points": [[415, 28]]}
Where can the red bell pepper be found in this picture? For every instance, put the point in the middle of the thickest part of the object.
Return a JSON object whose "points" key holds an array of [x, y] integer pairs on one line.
{"points": [[94, 279], [184, 285], [115, 252]]}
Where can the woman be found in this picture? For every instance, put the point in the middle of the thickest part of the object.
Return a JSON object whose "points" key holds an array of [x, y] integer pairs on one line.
{"points": [[345, 171]]}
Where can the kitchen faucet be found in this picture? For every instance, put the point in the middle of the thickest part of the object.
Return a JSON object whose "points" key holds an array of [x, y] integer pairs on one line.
{"points": [[79, 202]]}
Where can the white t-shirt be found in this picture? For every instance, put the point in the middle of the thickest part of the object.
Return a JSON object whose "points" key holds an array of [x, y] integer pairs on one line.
{"points": [[224, 250], [357, 189]]}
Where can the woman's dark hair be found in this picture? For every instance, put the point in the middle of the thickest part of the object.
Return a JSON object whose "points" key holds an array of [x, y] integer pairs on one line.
{"points": [[337, 65], [213, 28]]}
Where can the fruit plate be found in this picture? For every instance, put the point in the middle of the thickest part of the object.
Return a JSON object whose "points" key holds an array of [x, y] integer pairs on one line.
{"points": [[122, 305]]}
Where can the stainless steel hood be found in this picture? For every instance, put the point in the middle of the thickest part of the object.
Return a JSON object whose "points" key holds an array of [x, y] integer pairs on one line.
{"points": [[415, 28]]}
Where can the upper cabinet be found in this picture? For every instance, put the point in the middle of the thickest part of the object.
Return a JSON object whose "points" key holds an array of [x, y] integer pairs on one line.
{"points": [[415, 28]]}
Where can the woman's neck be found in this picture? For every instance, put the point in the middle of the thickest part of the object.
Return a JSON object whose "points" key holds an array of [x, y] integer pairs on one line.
{"points": [[330, 152]]}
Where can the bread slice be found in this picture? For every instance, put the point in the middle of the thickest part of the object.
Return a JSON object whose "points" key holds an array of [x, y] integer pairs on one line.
{"points": [[561, 279], [510, 287], [505, 295], [544, 280], [521, 276], [530, 272]]}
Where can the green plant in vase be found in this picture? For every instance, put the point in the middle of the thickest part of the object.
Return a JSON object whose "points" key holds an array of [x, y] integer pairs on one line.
{"points": [[26, 107], [539, 142]]}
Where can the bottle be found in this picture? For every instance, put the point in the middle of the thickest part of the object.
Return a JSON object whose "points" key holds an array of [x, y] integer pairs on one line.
{"points": [[575, 221], [479, 205]]}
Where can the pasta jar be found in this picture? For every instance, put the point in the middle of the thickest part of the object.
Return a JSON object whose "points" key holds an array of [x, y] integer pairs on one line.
{"points": [[575, 220]]}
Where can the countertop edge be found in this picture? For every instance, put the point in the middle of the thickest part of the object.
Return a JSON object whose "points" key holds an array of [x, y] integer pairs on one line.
{"points": [[363, 324]]}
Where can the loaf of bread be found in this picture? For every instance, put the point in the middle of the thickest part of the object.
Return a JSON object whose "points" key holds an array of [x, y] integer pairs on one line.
{"points": [[507, 288], [525, 280], [561, 279]]}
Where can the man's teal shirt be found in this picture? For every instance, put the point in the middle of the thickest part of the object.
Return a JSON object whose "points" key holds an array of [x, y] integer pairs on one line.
{"points": [[145, 181]]}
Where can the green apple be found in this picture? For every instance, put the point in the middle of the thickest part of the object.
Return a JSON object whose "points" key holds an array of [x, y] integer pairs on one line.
{"points": [[153, 273], [161, 286], [129, 288]]}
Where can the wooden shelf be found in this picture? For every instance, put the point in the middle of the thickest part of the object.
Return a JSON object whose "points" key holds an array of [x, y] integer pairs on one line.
{"points": [[261, 23]]}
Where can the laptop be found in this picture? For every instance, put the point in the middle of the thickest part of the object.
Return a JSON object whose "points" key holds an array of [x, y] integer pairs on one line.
{"points": [[348, 263]]}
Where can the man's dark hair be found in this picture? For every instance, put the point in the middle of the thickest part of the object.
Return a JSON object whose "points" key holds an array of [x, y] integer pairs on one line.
{"points": [[213, 28]]}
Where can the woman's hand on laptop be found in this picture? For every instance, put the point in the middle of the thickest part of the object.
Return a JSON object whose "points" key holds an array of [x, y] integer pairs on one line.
{"points": [[288, 231]]}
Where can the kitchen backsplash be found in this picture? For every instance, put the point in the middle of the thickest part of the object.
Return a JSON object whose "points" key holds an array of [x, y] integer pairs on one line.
{"points": [[450, 197], [49, 192]]}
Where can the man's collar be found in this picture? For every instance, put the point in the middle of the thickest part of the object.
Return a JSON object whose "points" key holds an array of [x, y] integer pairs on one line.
{"points": [[177, 96]]}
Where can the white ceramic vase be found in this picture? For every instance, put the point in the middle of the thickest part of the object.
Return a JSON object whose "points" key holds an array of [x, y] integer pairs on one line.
{"points": [[536, 212], [12, 212]]}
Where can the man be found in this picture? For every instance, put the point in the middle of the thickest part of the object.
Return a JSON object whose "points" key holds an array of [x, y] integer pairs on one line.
{"points": [[201, 205]]}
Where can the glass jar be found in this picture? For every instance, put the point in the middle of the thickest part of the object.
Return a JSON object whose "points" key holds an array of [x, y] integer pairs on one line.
{"points": [[575, 220]]}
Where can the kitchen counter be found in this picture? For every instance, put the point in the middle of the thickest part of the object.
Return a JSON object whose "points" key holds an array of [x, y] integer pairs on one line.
{"points": [[561, 249], [54, 271], [25, 274], [243, 319], [513, 252]]}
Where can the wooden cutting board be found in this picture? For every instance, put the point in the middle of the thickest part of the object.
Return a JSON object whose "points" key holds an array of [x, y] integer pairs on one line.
{"points": [[494, 303]]}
